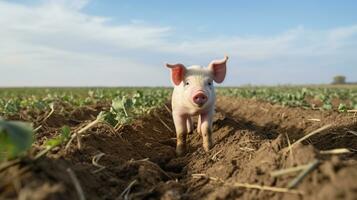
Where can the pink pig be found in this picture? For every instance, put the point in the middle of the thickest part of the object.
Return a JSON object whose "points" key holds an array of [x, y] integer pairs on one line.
{"points": [[194, 95]]}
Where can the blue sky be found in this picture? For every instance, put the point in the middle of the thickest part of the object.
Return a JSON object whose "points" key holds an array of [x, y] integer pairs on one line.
{"points": [[125, 43]]}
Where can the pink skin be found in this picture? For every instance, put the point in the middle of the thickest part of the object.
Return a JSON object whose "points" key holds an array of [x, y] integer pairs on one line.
{"points": [[194, 95], [189, 125], [199, 98]]}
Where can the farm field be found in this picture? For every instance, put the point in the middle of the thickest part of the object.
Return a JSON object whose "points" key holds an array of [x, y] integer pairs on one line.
{"points": [[119, 143]]}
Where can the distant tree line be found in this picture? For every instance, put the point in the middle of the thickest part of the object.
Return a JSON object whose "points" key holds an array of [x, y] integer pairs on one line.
{"points": [[340, 80]]}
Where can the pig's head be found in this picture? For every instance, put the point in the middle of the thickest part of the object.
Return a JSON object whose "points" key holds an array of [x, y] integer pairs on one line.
{"points": [[195, 83]]}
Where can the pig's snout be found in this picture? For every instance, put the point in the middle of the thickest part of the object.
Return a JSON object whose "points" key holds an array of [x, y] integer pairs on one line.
{"points": [[200, 98]]}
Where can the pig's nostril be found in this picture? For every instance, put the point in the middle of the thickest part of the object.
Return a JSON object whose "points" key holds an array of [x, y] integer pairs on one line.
{"points": [[200, 99]]}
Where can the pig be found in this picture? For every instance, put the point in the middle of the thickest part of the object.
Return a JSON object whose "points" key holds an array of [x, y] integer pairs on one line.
{"points": [[194, 95]]}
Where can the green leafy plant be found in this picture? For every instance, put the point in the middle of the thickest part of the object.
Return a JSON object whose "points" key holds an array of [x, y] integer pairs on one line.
{"points": [[65, 135], [122, 108], [342, 107], [15, 139]]}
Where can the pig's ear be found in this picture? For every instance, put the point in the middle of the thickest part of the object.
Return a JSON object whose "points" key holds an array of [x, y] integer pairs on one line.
{"points": [[177, 72], [218, 68]]}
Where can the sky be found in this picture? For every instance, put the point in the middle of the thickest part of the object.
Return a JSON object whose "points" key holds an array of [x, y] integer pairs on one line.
{"points": [[127, 42]]}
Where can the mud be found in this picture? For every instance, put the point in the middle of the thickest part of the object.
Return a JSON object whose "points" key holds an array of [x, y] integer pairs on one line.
{"points": [[251, 141]]}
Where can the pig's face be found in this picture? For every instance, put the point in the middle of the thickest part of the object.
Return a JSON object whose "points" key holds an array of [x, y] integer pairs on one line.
{"points": [[198, 87], [194, 85]]}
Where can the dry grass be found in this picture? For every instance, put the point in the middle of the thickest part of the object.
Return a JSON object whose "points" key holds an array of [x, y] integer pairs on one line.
{"points": [[336, 151], [163, 123], [4, 166], [352, 111], [49, 114], [311, 134], [214, 157], [146, 160], [95, 161], [352, 132], [249, 186], [76, 183], [314, 120], [126, 191], [282, 172], [168, 109], [309, 168], [266, 188], [289, 146]]}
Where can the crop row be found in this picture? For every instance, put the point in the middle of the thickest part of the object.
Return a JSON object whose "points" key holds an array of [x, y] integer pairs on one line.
{"points": [[138, 100], [128, 103], [323, 98], [13, 101]]}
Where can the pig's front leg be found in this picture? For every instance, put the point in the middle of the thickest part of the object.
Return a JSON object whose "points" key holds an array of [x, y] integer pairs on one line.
{"points": [[180, 122], [189, 125], [199, 124], [206, 120]]}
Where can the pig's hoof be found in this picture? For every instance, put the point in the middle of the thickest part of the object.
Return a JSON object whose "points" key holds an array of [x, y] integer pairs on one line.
{"points": [[181, 150], [207, 146]]}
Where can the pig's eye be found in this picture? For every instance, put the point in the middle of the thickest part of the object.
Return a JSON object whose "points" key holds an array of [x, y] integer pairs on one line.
{"points": [[209, 83], [187, 83]]}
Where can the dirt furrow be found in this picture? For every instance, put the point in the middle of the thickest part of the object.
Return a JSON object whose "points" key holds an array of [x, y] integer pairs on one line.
{"points": [[250, 139]]}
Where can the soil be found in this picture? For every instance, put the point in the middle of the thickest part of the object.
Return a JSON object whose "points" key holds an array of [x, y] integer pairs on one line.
{"points": [[251, 140]]}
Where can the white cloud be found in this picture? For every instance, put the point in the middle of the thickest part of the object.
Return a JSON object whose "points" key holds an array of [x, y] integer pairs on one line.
{"points": [[295, 42], [54, 43], [59, 25], [62, 45]]}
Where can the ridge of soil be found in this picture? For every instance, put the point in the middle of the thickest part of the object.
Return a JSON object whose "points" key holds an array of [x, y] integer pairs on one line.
{"points": [[250, 137]]}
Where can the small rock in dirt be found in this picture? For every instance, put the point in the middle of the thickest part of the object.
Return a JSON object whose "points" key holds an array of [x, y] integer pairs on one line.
{"points": [[171, 195], [223, 193], [222, 171]]}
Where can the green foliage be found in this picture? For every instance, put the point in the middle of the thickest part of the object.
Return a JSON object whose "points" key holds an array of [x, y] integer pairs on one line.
{"points": [[120, 109], [299, 97], [128, 103], [342, 107], [125, 108], [15, 138], [13, 100], [65, 134]]}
